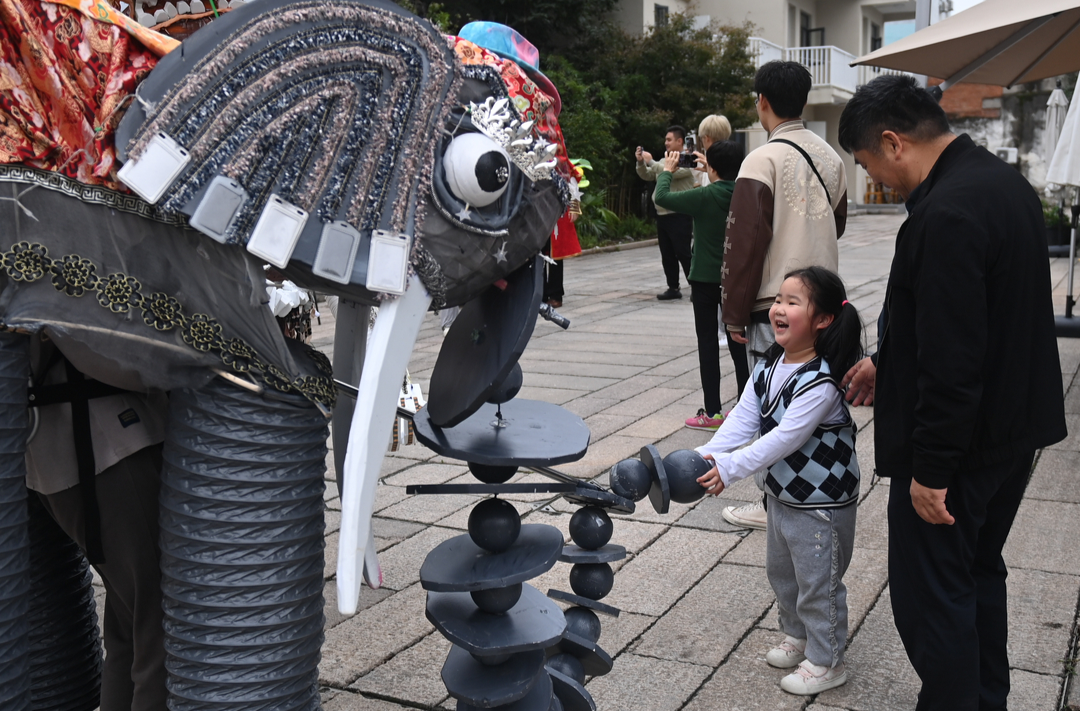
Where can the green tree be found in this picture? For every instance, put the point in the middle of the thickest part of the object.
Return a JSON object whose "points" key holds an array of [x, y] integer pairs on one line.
{"points": [[554, 26]]}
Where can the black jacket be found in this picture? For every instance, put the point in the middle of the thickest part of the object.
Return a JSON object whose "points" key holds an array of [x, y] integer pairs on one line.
{"points": [[968, 369]]}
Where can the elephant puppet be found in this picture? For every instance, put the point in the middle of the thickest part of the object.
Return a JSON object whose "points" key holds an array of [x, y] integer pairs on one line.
{"points": [[145, 183]]}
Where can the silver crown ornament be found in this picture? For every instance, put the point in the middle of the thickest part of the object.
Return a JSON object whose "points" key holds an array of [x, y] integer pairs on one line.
{"points": [[498, 120]]}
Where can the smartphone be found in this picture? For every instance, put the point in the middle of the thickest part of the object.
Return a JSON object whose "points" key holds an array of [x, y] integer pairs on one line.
{"points": [[687, 160]]}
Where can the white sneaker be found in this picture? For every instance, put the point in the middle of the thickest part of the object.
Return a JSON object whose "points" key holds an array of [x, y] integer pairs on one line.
{"points": [[747, 516], [810, 679], [788, 654]]}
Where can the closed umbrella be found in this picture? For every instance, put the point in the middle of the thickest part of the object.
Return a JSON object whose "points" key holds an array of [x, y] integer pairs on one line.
{"points": [[1001, 42], [1056, 107], [1065, 170]]}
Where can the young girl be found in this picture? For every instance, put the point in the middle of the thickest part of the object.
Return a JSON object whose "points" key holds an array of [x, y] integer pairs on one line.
{"points": [[807, 443]]}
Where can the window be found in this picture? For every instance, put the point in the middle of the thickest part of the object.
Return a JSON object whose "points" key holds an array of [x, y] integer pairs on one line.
{"points": [[660, 15], [810, 36], [875, 36]]}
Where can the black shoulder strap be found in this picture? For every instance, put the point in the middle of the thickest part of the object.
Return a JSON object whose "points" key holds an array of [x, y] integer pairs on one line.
{"points": [[809, 160], [84, 456]]}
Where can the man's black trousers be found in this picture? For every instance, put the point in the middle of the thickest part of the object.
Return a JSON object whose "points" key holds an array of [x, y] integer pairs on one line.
{"points": [[674, 233], [948, 586]]}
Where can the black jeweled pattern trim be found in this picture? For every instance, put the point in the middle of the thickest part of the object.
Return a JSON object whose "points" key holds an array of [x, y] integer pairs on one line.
{"points": [[121, 293]]}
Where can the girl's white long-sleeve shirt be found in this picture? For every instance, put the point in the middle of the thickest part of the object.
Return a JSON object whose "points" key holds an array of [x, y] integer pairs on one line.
{"points": [[820, 405]]}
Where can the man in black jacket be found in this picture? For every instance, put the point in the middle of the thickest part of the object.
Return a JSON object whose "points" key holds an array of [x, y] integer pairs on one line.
{"points": [[956, 423]]}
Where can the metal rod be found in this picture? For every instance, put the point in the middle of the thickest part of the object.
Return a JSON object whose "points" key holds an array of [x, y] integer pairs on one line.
{"points": [[559, 476], [1072, 265], [1044, 54]]}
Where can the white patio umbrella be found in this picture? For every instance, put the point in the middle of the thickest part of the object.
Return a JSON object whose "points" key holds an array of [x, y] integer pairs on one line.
{"points": [[1000, 42], [1064, 170], [1056, 107]]}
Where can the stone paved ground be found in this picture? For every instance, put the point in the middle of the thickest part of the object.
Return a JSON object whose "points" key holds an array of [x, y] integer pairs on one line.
{"points": [[697, 609]]}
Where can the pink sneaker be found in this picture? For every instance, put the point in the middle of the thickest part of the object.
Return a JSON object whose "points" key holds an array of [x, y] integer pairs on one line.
{"points": [[702, 421]]}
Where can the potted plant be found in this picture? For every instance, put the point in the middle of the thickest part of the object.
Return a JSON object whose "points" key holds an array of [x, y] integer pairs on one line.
{"points": [[1057, 224]]}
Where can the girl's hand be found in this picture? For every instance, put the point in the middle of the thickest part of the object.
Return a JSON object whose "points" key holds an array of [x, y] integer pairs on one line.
{"points": [[711, 480]]}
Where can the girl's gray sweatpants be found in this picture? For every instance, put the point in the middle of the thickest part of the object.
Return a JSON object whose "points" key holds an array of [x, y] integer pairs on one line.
{"points": [[807, 554]]}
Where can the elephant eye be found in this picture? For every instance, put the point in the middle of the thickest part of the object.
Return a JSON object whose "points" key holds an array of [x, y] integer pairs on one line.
{"points": [[477, 169]]}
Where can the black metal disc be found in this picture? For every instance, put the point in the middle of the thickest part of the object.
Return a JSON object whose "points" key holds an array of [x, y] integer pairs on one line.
{"points": [[534, 623], [607, 554], [539, 698], [484, 686], [660, 493], [596, 661], [583, 602], [572, 694], [535, 434], [588, 496], [518, 488], [483, 345], [459, 565]]}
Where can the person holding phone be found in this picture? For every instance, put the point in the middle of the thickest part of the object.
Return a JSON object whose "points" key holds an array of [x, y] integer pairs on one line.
{"points": [[674, 232]]}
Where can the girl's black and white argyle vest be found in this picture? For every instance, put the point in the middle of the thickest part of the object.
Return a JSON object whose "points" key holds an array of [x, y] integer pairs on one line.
{"points": [[824, 472]]}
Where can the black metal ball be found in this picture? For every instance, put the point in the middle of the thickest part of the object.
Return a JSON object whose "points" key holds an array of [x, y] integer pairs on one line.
{"points": [[509, 387], [492, 474], [583, 622], [497, 600], [591, 527], [494, 525], [683, 467], [592, 580], [630, 479], [569, 665]]}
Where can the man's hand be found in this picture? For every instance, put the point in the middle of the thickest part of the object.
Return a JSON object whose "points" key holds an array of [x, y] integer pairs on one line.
{"points": [[646, 156], [711, 480], [862, 378], [738, 337], [640, 155], [930, 504], [671, 161]]}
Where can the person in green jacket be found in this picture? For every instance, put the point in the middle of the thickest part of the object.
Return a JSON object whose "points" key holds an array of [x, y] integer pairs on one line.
{"points": [[709, 208]]}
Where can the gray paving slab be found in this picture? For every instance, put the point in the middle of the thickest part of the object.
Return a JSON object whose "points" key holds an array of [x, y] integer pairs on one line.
{"points": [[346, 701], [413, 675], [662, 573], [683, 634], [367, 639], [1044, 537], [401, 563], [426, 473], [1042, 607], [638, 682], [745, 682], [1055, 477]]}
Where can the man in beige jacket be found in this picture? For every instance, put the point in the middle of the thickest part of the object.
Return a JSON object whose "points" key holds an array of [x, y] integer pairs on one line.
{"points": [[674, 232], [787, 212]]}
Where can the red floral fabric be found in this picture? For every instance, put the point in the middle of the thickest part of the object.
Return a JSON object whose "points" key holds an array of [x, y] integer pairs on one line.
{"points": [[65, 81], [534, 105], [530, 101]]}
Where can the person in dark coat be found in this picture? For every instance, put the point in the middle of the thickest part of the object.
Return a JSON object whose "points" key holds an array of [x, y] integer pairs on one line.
{"points": [[958, 417]]}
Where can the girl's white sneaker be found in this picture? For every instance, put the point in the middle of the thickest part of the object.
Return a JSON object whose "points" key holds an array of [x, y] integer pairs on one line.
{"points": [[809, 679], [788, 654]]}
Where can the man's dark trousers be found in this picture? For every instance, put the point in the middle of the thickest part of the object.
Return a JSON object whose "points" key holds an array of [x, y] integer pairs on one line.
{"points": [[948, 586], [674, 234]]}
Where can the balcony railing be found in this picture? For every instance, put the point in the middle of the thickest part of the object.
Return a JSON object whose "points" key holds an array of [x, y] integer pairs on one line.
{"points": [[829, 66]]}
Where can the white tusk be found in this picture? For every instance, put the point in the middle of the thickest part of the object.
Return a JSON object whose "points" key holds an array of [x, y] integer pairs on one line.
{"points": [[388, 349]]}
